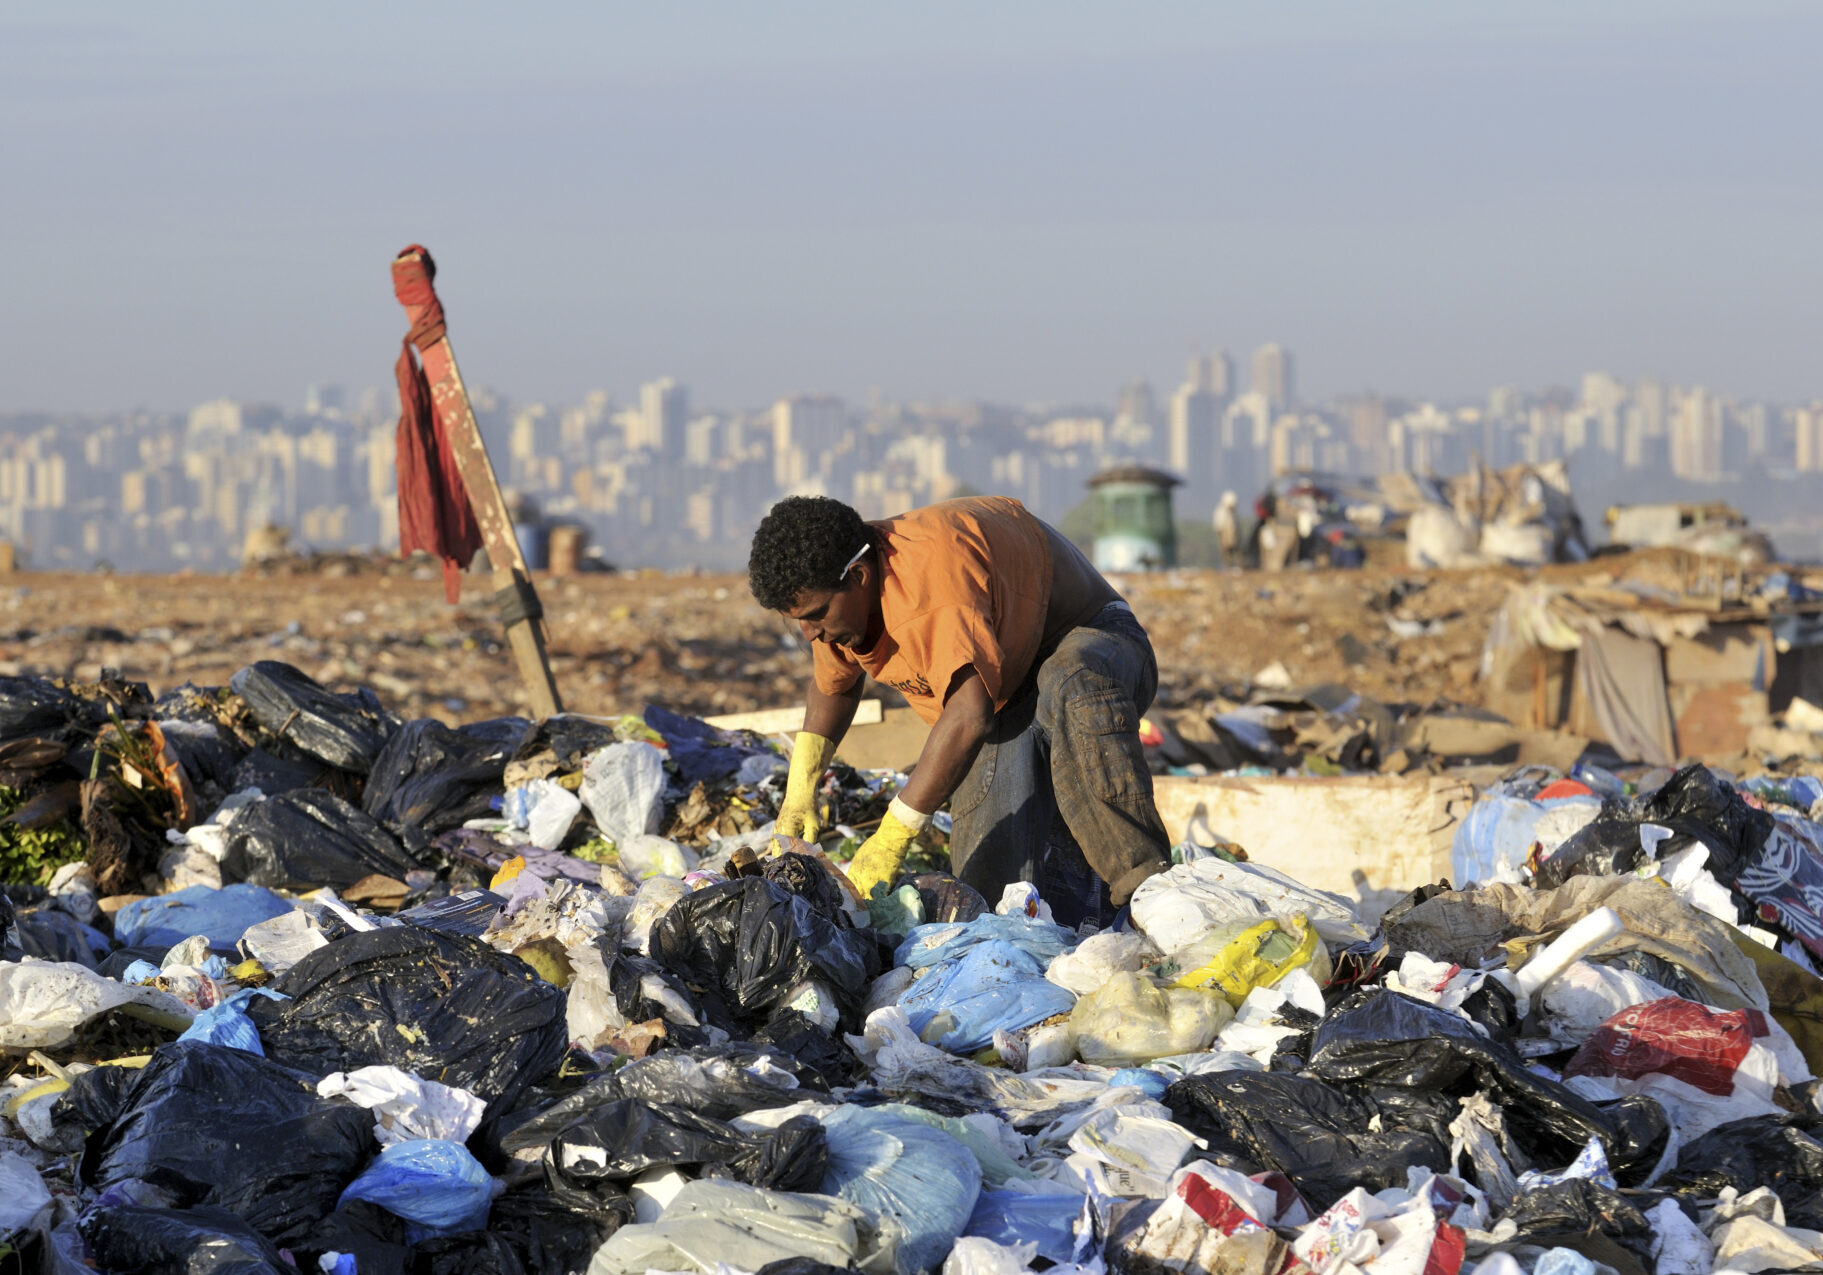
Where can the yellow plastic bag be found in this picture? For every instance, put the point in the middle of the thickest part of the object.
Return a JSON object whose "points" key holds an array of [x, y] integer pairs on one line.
{"points": [[1236, 959]]}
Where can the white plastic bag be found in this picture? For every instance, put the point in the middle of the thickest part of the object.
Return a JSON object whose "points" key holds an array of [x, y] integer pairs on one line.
{"points": [[283, 941], [713, 1221], [22, 1193], [42, 1003], [1177, 907], [406, 1107], [643, 857], [655, 898], [976, 1256], [623, 786], [590, 1012], [1088, 966], [1131, 1021], [545, 810]]}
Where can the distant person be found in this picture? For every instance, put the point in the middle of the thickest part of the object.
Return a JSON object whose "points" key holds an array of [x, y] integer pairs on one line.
{"points": [[1228, 530], [1031, 670], [1265, 509]]}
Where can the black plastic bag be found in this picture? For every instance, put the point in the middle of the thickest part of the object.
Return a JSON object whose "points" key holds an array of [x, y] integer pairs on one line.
{"points": [[220, 1127], [366, 1232], [208, 752], [346, 731], [280, 770], [445, 1007], [631, 978], [1695, 805], [749, 942], [569, 740], [802, 1266], [33, 706], [828, 1056], [200, 1241], [470, 1253], [95, 1098], [1496, 1009], [948, 899], [310, 838], [1744, 1154], [720, 1082], [1592, 1219], [1376, 1036], [806, 878], [620, 1140], [11, 949], [548, 1238], [51, 934], [1326, 1139], [433, 778], [114, 965], [793, 1157]]}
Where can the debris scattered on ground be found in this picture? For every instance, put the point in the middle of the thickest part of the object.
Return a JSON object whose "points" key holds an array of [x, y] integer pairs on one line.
{"points": [[539, 997]]}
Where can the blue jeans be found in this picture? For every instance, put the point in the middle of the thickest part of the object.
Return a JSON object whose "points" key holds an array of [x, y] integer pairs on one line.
{"points": [[1060, 794]]}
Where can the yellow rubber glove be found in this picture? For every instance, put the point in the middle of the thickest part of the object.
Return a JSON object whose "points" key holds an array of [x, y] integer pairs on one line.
{"points": [[876, 864], [798, 816]]}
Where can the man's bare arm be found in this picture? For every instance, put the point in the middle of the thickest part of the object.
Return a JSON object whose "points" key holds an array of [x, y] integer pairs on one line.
{"points": [[968, 717], [831, 715]]}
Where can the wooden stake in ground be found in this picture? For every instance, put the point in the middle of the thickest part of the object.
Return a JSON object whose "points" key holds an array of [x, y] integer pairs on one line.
{"points": [[513, 591]]}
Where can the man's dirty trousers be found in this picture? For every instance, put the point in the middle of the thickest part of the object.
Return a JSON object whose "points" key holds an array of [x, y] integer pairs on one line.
{"points": [[1061, 786]]}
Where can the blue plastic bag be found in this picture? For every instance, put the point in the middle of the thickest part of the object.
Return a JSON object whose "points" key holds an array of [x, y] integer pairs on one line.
{"points": [[935, 944], [908, 1174], [221, 916], [1153, 1084], [437, 1187], [1499, 833], [1019, 1217], [227, 1023], [996, 986]]}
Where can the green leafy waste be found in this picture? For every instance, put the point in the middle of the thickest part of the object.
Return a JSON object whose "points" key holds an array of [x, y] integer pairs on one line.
{"points": [[31, 856]]}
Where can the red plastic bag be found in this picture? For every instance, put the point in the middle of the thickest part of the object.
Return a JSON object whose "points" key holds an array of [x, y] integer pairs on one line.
{"points": [[1673, 1037]]}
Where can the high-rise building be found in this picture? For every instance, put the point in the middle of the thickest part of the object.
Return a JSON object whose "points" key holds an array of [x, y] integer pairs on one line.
{"points": [[664, 407], [1272, 376], [1213, 372], [1807, 426], [805, 429], [700, 438], [1195, 445], [1650, 396], [1136, 403], [1696, 436], [321, 400]]}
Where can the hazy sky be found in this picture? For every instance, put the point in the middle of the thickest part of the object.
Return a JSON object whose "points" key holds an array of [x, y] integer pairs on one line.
{"points": [[1007, 200]]}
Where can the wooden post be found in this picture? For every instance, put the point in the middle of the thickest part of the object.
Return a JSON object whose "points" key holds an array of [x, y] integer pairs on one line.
{"points": [[512, 581]]}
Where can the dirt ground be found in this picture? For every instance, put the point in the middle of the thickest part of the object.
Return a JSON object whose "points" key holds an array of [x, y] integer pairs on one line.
{"points": [[699, 643]]}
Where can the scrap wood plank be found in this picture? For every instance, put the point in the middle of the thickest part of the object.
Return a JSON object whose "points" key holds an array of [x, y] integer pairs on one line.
{"points": [[513, 590], [780, 721]]}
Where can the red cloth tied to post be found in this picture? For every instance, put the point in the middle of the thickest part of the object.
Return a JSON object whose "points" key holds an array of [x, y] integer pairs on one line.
{"points": [[434, 513]]}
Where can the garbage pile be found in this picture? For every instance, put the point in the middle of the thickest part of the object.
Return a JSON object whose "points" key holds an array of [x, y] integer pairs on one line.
{"points": [[1325, 730], [427, 1015], [1524, 515]]}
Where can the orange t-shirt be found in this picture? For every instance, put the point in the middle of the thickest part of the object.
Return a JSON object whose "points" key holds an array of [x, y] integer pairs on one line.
{"points": [[966, 582]]}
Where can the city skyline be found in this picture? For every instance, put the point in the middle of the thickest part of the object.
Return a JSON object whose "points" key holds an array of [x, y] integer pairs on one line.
{"points": [[661, 477], [1002, 203]]}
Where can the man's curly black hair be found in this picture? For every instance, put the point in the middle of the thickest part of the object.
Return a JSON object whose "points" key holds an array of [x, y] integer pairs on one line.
{"points": [[803, 543]]}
